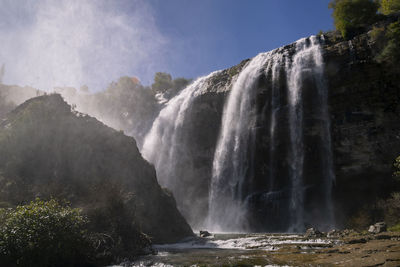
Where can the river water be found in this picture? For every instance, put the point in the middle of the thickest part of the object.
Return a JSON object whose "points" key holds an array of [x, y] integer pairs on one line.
{"points": [[229, 249]]}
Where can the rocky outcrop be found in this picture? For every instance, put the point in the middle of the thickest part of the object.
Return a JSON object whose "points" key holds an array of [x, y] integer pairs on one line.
{"points": [[313, 233], [47, 150], [377, 228]]}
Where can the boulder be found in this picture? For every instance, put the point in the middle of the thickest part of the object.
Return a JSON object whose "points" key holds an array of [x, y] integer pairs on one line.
{"points": [[333, 233], [377, 228], [342, 233], [205, 234], [312, 233]]}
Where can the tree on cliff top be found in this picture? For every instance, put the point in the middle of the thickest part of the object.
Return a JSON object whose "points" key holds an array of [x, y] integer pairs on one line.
{"points": [[389, 6], [352, 15], [162, 82]]}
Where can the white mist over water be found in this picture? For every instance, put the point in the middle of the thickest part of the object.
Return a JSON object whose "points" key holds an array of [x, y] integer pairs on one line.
{"points": [[48, 43]]}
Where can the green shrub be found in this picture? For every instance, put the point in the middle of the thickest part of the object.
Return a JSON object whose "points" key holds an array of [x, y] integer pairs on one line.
{"points": [[350, 16], [162, 82], [397, 166], [377, 33], [113, 218], [391, 52], [361, 220], [395, 228], [43, 233], [391, 208], [389, 6]]}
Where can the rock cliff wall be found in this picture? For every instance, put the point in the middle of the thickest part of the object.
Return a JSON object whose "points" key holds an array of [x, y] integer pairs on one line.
{"points": [[363, 103]]}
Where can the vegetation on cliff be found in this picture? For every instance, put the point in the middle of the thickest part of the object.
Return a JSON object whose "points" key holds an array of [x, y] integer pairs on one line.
{"points": [[388, 7], [390, 38], [351, 16], [163, 83]]}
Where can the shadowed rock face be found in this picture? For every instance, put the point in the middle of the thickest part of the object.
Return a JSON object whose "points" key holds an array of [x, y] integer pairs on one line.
{"points": [[48, 150], [364, 103]]}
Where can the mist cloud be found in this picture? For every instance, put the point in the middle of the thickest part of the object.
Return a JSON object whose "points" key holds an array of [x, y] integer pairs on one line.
{"points": [[73, 42]]}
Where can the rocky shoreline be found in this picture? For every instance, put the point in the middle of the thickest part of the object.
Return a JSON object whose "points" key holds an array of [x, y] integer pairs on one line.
{"points": [[338, 248], [353, 249]]}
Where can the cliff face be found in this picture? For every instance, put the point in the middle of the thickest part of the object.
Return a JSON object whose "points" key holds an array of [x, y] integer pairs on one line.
{"points": [[363, 103], [364, 99], [48, 150]]}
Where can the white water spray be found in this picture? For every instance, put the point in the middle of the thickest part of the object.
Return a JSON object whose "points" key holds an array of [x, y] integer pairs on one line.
{"points": [[163, 144]]}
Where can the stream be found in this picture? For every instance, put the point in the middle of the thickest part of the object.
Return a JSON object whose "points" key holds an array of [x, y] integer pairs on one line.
{"points": [[231, 249]]}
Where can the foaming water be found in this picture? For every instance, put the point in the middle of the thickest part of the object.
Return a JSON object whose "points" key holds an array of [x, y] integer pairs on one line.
{"points": [[230, 250]]}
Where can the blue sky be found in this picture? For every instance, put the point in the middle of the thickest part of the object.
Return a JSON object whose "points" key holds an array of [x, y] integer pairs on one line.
{"points": [[49, 43], [220, 33]]}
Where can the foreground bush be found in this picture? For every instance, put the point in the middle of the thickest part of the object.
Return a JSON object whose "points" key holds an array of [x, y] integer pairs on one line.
{"points": [[43, 233]]}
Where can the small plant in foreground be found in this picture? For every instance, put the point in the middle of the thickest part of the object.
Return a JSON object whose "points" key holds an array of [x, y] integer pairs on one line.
{"points": [[43, 233]]}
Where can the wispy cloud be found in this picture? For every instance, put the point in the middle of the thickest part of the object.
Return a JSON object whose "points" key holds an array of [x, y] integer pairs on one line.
{"points": [[48, 43]]}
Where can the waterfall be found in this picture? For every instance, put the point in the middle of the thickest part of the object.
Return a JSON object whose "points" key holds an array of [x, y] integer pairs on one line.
{"points": [[259, 167], [307, 60], [162, 145], [327, 156], [274, 67], [227, 210], [231, 165]]}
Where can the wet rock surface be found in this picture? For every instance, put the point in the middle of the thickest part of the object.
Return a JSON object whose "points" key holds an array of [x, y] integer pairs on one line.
{"points": [[205, 234]]}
